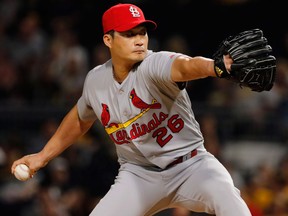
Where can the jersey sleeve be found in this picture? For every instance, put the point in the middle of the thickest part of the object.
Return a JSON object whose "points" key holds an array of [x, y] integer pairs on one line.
{"points": [[160, 68], [85, 110]]}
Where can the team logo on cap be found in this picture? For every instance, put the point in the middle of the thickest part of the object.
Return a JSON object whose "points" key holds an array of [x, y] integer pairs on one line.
{"points": [[134, 11]]}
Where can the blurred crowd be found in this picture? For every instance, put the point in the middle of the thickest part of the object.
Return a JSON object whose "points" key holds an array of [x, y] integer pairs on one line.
{"points": [[46, 50]]}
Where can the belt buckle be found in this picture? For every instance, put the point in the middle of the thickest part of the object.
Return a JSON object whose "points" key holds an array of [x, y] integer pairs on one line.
{"points": [[186, 157]]}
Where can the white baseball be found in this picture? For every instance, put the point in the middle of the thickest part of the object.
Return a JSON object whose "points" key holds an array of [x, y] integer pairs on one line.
{"points": [[22, 172]]}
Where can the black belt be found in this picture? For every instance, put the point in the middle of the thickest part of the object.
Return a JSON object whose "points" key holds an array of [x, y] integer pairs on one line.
{"points": [[183, 158]]}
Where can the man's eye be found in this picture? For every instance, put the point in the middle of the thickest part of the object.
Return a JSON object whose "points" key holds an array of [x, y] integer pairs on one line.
{"points": [[131, 34], [128, 34]]}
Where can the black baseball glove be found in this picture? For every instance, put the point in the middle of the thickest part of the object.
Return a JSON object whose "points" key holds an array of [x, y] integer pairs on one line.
{"points": [[253, 65]]}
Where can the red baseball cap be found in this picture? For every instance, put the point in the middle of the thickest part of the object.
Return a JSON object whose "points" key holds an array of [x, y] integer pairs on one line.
{"points": [[123, 17]]}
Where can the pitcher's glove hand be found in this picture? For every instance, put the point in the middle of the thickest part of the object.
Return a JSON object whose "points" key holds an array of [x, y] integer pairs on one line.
{"points": [[253, 65]]}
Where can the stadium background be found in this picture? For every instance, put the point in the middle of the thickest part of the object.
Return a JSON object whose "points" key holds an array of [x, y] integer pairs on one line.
{"points": [[47, 48]]}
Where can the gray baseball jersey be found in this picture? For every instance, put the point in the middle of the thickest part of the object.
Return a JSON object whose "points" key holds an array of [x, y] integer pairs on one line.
{"points": [[148, 116], [150, 120]]}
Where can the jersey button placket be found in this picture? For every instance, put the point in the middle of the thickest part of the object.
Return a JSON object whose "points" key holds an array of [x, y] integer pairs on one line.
{"points": [[122, 105]]}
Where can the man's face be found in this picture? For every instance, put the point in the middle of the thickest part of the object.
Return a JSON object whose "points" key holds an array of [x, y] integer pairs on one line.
{"points": [[130, 45]]}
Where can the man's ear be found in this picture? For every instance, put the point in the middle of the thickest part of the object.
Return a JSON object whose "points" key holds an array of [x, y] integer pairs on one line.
{"points": [[107, 38]]}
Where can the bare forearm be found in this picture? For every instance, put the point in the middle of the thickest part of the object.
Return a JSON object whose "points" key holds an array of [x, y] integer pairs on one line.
{"points": [[188, 68], [70, 129], [202, 67]]}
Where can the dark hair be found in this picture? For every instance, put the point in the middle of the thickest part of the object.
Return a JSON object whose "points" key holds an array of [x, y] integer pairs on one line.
{"points": [[111, 33]]}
